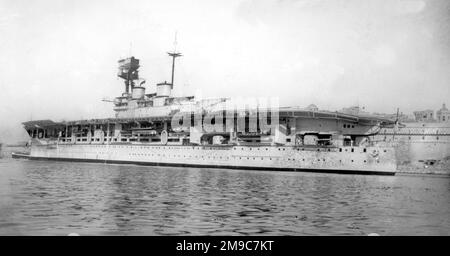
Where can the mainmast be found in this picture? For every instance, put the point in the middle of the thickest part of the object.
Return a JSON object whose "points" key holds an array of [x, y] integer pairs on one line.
{"points": [[174, 55]]}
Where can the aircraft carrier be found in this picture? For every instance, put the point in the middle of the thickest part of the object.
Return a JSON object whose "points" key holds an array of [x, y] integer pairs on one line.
{"points": [[158, 128]]}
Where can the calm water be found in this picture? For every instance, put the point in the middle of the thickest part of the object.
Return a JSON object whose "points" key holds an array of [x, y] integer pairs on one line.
{"points": [[43, 198]]}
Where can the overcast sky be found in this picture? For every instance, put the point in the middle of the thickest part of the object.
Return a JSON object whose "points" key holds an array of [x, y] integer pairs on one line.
{"points": [[58, 59]]}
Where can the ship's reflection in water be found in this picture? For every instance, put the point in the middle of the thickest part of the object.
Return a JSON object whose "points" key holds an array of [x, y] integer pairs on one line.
{"points": [[42, 198]]}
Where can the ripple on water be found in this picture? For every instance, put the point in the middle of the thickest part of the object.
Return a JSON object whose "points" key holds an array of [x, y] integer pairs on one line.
{"points": [[96, 199]]}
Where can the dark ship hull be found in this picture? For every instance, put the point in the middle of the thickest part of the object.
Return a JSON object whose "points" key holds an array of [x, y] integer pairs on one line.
{"points": [[350, 160]]}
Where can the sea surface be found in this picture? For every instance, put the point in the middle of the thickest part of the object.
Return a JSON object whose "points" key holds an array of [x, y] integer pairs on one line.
{"points": [[58, 198]]}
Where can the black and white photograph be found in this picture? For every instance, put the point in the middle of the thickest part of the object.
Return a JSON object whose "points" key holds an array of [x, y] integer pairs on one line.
{"points": [[236, 118]]}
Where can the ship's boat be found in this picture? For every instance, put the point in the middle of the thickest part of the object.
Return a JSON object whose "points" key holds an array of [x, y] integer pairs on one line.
{"points": [[19, 155], [160, 129]]}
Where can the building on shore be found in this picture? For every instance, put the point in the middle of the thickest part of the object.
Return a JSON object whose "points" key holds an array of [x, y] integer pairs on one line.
{"points": [[424, 116], [443, 114], [354, 110], [312, 107]]}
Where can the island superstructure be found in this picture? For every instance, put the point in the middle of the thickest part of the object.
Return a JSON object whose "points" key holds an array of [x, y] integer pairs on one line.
{"points": [[159, 129]]}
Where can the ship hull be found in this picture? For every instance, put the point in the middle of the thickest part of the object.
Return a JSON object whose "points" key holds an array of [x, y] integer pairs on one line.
{"points": [[370, 160]]}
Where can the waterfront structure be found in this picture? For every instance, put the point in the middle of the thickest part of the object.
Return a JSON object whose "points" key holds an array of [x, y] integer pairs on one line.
{"points": [[160, 129], [312, 107], [424, 115], [443, 114], [421, 147], [354, 110]]}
